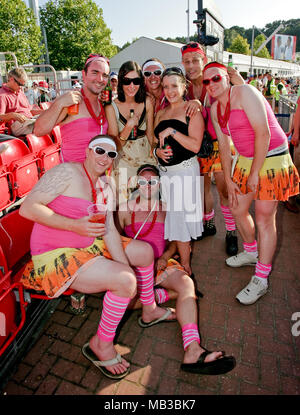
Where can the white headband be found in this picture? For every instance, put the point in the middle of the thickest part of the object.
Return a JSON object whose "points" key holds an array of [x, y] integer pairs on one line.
{"points": [[103, 141], [152, 63]]}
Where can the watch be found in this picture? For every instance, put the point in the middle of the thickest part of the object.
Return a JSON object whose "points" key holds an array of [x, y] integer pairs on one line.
{"points": [[174, 132]]}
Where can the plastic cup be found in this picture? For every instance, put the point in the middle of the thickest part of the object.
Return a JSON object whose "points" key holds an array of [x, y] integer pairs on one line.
{"points": [[73, 109], [97, 213]]}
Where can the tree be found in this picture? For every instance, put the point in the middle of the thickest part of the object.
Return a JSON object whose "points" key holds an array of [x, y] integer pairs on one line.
{"points": [[75, 28], [264, 53], [240, 45], [19, 32]]}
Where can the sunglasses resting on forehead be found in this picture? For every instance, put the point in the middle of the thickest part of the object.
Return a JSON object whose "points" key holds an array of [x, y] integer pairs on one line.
{"points": [[100, 151], [190, 45], [136, 81], [216, 78]]}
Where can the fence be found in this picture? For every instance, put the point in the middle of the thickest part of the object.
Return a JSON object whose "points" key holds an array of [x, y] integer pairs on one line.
{"points": [[286, 111]]}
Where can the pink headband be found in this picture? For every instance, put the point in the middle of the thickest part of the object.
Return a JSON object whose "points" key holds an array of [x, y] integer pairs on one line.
{"points": [[95, 57]]}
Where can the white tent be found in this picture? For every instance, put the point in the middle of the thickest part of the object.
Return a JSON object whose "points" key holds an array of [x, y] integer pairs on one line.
{"points": [[145, 48]]}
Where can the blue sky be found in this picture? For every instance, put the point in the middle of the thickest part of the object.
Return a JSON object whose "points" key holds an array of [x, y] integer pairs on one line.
{"points": [[129, 19]]}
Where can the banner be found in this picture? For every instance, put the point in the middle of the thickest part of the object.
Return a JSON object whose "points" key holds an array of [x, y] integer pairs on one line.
{"points": [[284, 47]]}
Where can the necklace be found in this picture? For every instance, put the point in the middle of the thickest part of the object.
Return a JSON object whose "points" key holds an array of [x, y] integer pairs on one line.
{"points": [[223, 120], [94, 193], [150, 227], [101, 116]]}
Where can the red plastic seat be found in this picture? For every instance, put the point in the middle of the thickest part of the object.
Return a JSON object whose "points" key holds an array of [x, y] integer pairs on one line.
{"points": [[55, 133], [7, 192], [46, 151], [23, 165], [15, 234], [45, 105]]}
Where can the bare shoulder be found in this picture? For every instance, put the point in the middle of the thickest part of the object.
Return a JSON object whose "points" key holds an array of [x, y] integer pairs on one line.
{"points": [[56, 180]]}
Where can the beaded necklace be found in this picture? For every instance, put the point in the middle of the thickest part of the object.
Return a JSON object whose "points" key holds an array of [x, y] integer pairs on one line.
{"points": [[150, 227], [94, 193]]}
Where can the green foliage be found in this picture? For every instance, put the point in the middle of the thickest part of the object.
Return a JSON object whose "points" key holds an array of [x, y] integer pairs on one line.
{"points": [[75, 28], [264, 53], [240, 45], [19, 32]]}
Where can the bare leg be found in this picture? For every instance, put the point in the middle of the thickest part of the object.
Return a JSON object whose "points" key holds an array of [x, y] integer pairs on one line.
{"points": [[186, 311], [243, 219], [184, 249], [265, 218]]}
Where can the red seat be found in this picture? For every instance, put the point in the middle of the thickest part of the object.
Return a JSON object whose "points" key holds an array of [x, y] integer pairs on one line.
{"points": [[15, 234], [55, 133], [7, 192], [46, 151], [23, 165], [45, 105]]}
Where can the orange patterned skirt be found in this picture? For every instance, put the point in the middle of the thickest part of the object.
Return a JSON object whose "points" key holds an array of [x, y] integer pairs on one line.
{"points": [[54, 271], [172, 266], [278, 177]]}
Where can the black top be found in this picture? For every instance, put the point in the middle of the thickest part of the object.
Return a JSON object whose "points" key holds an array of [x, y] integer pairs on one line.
{"points": [[139, 132], [180, 153]]}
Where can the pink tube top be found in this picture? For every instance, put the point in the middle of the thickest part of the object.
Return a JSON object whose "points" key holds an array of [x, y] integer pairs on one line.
{"points": [[44, 239], [76, 135], [243, 136], [155, 238]]}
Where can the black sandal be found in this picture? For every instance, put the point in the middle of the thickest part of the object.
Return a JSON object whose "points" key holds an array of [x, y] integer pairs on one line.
{"points": [[216, 367]]}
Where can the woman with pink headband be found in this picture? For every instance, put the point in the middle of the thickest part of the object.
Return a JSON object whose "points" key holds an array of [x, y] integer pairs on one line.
{"points": [[193, 59], [264, 171]]}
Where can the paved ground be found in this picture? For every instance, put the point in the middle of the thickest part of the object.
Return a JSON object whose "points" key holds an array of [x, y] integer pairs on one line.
{"points": [[259, 336]]}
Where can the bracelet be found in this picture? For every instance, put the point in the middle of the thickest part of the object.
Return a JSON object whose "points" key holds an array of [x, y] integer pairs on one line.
{"points": [[122, 139]]}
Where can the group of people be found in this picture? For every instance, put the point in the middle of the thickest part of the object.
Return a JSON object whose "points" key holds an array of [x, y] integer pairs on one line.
{"points": [[138, 157]]}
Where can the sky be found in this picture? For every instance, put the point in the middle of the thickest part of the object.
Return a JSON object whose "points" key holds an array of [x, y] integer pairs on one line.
{"points": [[129, 19]]}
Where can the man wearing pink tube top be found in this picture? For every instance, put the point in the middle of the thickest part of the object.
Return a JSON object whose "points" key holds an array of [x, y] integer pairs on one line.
{"points": [[78, 128]]}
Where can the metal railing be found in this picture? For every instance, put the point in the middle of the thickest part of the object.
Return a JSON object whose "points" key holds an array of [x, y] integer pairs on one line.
{"points": [[286, 110]]}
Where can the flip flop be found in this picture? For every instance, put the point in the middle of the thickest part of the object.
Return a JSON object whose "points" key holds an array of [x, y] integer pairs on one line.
{"points": [[162, 319], [216, 367], [100, 364]]}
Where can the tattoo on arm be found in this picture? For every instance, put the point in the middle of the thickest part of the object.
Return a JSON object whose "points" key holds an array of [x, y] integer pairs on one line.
{"points": [[55, 181]]}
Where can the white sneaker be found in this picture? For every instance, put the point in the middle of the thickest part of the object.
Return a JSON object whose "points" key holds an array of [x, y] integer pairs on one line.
{"points": [[241, 259], [252, 292]]}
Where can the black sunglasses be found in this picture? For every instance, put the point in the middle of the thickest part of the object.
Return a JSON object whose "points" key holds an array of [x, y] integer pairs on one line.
{"points": [[147, 74], [174, 70], [136, 81], [101, 151], [19, 83], [190, 45]]}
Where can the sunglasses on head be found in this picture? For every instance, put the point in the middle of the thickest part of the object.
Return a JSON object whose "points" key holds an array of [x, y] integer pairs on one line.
{"points": [[157, 72], [18, 82], [151, 182], [216, 78], [190, 45], [100, 151], [136, 81], [174, 69]]}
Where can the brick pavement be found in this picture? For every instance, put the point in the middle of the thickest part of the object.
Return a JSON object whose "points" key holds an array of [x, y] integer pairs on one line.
{"points": [[259, 336]]}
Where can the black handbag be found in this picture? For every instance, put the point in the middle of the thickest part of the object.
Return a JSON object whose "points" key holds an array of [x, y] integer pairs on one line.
{"points": [[207, 146]]}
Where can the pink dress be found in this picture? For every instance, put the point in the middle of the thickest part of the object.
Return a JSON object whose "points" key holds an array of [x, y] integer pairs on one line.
{"points": [[76, 136], [45, 238]]}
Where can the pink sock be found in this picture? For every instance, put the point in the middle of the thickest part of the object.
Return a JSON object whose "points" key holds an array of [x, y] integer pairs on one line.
{"points": [[209, 216], [162, 295], [113, 310], [190, 333], [251, 248], [262, 270], [229, 220], [144, 276]]}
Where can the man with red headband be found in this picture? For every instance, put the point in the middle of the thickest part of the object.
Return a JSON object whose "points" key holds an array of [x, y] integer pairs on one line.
{"points": [[80, 114], [194, 59]]}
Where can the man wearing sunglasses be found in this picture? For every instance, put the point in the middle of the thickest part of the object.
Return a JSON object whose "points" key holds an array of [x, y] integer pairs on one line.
{"points": [[80, 114], [143, 218], [15, 109], [70, 250], [194, 59]]}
